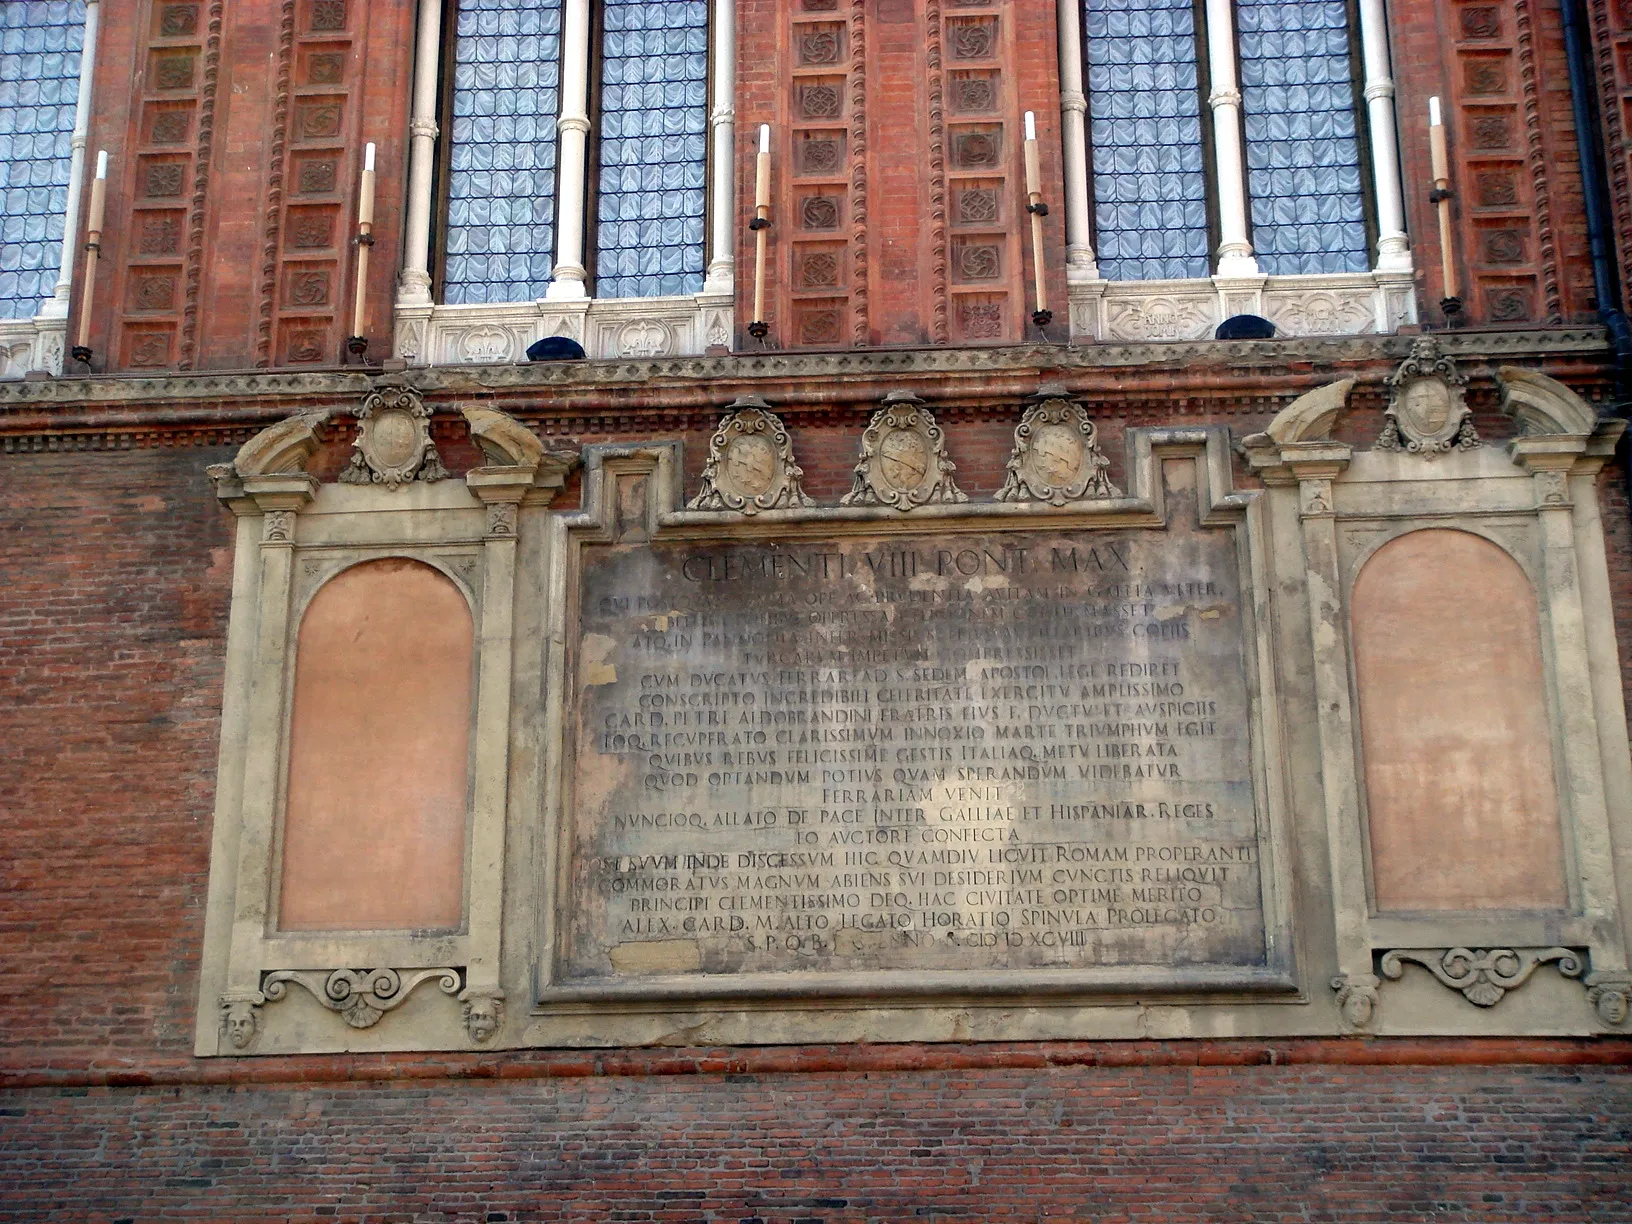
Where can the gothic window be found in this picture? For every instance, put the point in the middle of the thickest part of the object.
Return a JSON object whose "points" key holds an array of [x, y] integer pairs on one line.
{"points": [[1303, 149], [39, 82], [499, 240], [654, 116], [1152, 168], [647, 172], [1145, 131]]}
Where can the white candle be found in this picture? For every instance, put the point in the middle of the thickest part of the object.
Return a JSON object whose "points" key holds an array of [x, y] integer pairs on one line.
{"points": [[1438, 155], [1031, 125], [762, 171], [365, 194], [99, 194]]}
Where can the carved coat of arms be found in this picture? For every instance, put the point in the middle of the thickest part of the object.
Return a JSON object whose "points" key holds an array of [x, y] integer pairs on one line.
{"points": [[1056, 456], [1427, 408], [393, 444], [750, 463], [903, 459]]}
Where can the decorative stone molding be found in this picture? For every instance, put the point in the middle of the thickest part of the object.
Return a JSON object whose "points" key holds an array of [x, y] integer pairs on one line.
{"points": [[1056, 456], [515, 459], [1484, 976], [1427, 406], [1356, 998], [360, 996], [393, 444], [482, 1013], [1309, 418], [750, 463], [284, 447], [1543, 405], [1610, 994], [504, 440], [29, 345], [623, 328], [903, 459], [1336, 304]]}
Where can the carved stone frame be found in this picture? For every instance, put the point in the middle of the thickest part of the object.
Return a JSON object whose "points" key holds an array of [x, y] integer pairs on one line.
{"points": [[1538, 503], [293, 535], [633, 494]]}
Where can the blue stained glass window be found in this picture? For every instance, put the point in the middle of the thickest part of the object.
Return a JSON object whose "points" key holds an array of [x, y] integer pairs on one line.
{"points": [[1144, 111], [500, 234], [39, 89], [1303, 154], [653, 148]]}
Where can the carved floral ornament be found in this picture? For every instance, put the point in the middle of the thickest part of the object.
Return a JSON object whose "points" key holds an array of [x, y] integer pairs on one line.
{"points": [[1484, 976], [1427, 408], [361, 997], [750, 463]]}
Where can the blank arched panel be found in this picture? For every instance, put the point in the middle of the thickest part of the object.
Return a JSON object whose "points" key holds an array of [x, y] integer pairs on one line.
{"points": [[374, 827], [1460, 782]]}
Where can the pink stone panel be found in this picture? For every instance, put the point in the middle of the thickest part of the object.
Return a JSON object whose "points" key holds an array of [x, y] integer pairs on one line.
{"points": [[1460, 789], [374, 827]]}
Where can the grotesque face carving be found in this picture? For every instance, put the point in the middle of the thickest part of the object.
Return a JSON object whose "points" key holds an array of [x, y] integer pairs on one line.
{"points": [[482, 1017], [240, 1024]]}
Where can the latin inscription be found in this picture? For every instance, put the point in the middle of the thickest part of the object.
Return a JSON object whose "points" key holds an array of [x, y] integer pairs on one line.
{"points": [[995, 752]]}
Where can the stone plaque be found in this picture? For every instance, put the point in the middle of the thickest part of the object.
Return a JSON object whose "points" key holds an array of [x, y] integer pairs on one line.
{"points": [[1007, 751]]}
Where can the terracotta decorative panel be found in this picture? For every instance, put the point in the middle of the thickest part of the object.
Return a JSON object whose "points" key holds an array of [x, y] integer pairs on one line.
{"points": [[374, 827], [1612, 49], [1499, 67], [156, 259], [897, 127], [315, 168], [1461, 798]]}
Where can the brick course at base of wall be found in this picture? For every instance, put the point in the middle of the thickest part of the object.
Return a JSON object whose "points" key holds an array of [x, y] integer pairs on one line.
{"points": [[1169, 1145]]}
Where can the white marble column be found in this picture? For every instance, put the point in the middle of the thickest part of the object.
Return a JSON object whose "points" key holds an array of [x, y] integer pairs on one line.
{"points": [[56, 306], [1235, 256], [414, 282], [572, 154], [1393, 250], [722, 202], [1079, 249]]}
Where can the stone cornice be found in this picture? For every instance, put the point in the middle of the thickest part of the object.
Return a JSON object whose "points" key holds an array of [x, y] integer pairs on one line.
{"points": [[113, 412]]}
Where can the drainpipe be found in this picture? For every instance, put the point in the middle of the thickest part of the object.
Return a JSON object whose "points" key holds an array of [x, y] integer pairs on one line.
{"points": [[1595, 195]]}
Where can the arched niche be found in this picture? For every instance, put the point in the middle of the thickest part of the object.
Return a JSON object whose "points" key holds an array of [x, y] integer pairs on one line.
{"points": [[379, 746], [1462, 805]]}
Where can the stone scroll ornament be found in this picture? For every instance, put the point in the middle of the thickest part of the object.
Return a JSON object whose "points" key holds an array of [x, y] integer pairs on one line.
{"points": [[361, 996], [393, 445], [1427, 405], [903, 459], [1484, 976], [750, 463], [1056, 457]]}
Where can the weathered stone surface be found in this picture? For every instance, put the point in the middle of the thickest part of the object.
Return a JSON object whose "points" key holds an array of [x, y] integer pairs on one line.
{"points": [[1011, 750]]}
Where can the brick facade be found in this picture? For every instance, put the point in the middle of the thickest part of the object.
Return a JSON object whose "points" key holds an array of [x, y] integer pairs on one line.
{"points": [[118, 569]]}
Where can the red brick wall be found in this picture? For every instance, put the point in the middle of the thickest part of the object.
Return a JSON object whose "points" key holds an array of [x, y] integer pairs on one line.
{"points": [[1172, 1144]]}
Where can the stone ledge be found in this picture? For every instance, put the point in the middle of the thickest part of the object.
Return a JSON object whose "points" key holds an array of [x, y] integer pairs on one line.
{"points": [[113, 411]]}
